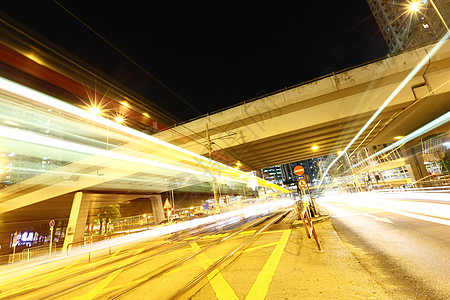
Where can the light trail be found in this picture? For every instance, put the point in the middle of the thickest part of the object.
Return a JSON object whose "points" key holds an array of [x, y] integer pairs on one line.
{"points": [[398, 203], [145, 153], [422, 130], [35, 96], [397, 90], [220, 219], [228, 218]]}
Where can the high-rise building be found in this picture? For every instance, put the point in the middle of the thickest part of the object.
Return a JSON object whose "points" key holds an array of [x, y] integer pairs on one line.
{"points": [[273, 174], [410, 23], [284, 174]]}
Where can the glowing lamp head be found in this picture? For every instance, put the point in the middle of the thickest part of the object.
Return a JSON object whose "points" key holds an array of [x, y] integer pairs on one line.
{"points": [[94, 110], [119, 119], [314, 148], [414, 6]]}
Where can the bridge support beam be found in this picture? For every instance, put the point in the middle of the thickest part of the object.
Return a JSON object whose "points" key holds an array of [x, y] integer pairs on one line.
{"points": [[157, 208], [77, 219], [415, 163]]}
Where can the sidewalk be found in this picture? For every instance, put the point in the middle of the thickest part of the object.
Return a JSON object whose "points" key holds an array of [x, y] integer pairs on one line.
{"points": [[334, 273]]}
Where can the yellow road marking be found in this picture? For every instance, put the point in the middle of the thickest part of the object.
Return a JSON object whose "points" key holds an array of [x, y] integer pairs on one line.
{"points": [[101, 286], [259, 247], [218, 283], [248, 232], [115, 253], [261, 285], [53, 274], [213, 236], [26, 273]]}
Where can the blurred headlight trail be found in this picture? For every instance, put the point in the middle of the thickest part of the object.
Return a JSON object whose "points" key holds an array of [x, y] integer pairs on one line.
{"points": [[397, 90], [433, 207], [92, 150], [219, 219]]}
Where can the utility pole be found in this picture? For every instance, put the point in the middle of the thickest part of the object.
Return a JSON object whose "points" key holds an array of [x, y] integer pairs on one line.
{"points": [[357, 188], [216, 196]]}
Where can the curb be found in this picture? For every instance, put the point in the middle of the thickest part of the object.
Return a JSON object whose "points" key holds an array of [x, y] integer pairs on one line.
{"points": [[314, 220]]}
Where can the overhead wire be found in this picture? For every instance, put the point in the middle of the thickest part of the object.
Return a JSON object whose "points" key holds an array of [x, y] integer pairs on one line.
{"points": [[128, 58]]}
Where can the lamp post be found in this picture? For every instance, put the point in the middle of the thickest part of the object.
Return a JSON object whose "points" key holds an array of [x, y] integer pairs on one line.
{"points": [[216, 196]]}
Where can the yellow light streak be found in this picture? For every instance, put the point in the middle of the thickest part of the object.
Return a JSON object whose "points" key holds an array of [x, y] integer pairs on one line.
{"points": [[200, 165]]}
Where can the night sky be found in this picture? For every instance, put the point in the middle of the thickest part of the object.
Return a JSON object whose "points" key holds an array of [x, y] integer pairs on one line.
{"points": [[212, 54]]}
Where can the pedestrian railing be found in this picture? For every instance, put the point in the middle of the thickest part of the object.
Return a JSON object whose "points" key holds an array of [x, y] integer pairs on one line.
{"points": [[31, 253]]}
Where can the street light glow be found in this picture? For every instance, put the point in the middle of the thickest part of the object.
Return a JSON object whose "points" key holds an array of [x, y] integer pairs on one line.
{"points": [[94, 110], [119, 119], [414, 6]]}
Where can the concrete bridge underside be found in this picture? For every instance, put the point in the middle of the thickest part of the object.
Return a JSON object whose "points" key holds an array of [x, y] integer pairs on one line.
{"points": [[328, 112]]}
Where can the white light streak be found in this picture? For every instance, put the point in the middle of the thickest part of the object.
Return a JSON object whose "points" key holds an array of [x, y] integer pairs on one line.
{"points": [[203, 166], [399, 203], [397, 90], [422, 130], [219, 219]]}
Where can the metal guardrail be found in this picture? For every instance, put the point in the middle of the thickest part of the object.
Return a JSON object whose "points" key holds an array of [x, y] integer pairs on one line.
{"points": [[31, 253]]}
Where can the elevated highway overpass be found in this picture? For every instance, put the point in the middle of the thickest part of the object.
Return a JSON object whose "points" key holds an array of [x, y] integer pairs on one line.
{"points": [[326, 112], [97, 156]]}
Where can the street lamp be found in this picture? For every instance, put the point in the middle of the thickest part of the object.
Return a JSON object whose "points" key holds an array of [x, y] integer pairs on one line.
{"points": [[119, 119], [94, 110], [415, 6]]}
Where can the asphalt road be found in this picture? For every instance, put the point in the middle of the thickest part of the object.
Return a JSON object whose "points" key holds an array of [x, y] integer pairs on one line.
{"points": [[401, 240]]}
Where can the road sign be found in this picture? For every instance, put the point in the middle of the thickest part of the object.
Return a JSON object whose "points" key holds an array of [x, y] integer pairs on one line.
{"points": [[15, 239], [52, 223], [167, 204], [302, 183], [299, 170], [304, 176]]}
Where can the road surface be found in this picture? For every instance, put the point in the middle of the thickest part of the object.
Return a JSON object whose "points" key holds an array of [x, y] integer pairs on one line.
{"points": [[402, 239]]}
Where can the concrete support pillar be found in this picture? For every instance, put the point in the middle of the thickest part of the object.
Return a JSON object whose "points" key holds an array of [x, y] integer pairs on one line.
{"points": [[415, 163], [77, 219], [157, 208]]}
